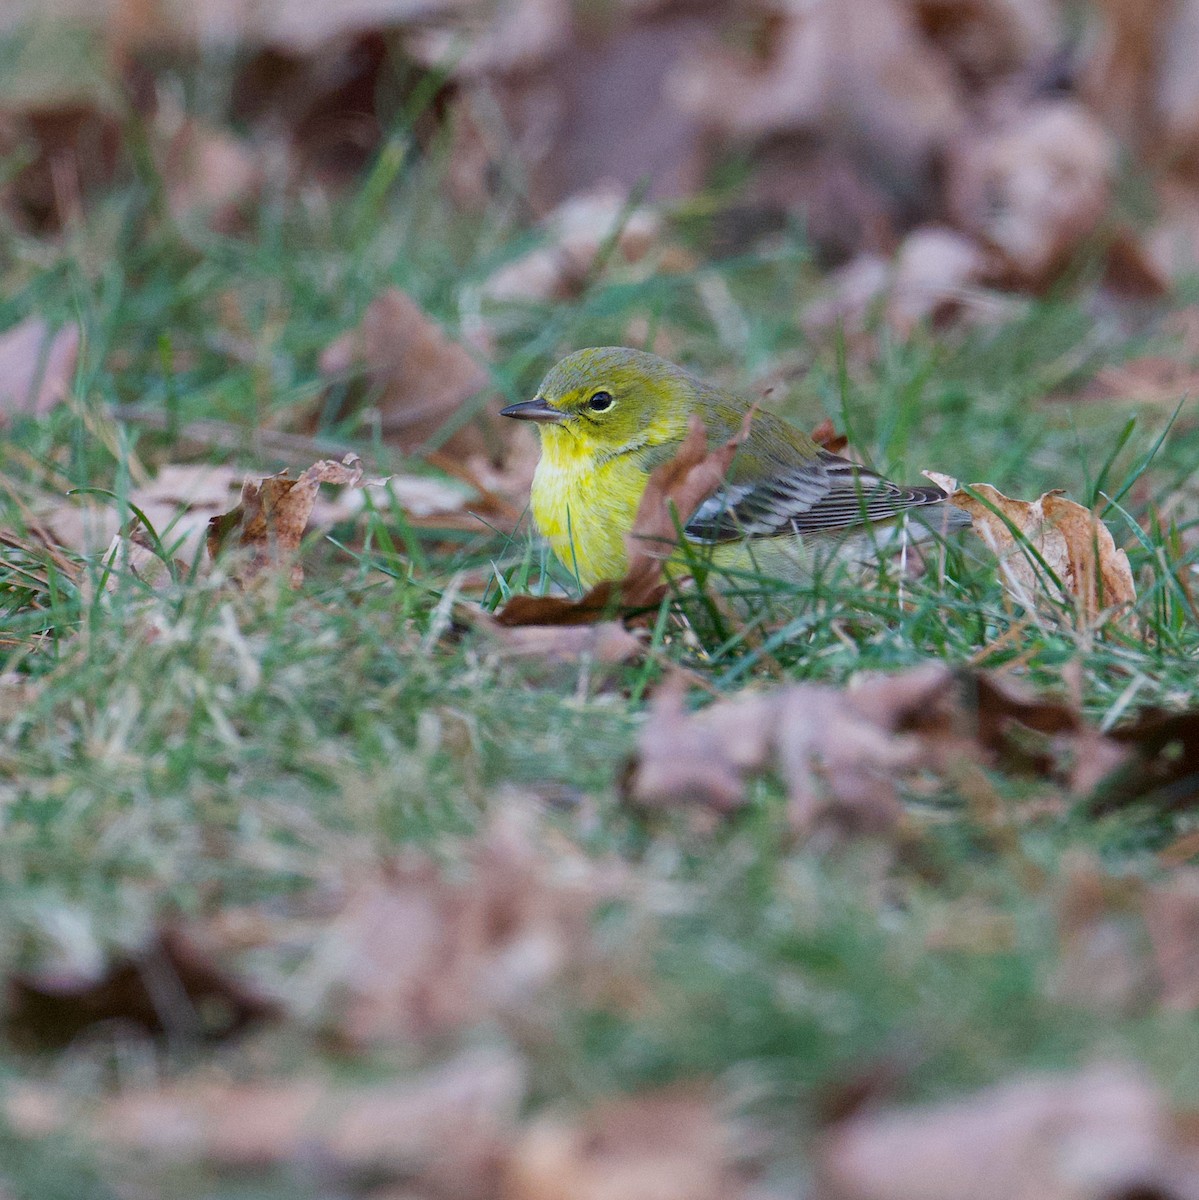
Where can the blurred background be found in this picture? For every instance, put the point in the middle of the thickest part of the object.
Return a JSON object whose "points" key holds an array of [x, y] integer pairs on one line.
{"points": [[922, 162]]}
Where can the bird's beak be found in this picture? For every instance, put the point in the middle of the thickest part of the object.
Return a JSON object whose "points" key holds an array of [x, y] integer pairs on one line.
{"points": [[539, 410]]}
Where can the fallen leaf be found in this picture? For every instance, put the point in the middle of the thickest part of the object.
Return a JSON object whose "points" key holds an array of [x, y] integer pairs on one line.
{"points": [[413, 952], [424, 381], [841, 754], [844, 754], [1172, 919], [37, 368], [855, 70], [674, 491], [133, 553], [1162, 768], [1100, 1133], [607, 643], [446, 1128], [208, 174], [1034, 188], [576, 234], [667, 1145], [937, 276], [270, 521], [825, 435], [569, 103], [171, 985], [1094, 576]]}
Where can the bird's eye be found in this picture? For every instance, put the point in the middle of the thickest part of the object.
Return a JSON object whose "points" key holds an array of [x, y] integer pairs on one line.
{"points": [[600, 402]]}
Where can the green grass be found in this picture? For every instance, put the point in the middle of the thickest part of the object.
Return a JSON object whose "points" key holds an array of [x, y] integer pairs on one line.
{"points": [[166, 755]]}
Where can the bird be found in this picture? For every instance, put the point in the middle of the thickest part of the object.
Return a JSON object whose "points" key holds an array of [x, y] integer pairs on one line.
{"points": [[608, 415]]}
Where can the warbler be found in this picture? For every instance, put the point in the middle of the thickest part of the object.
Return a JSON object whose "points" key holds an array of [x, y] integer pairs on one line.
{"points": [[609, 415]]}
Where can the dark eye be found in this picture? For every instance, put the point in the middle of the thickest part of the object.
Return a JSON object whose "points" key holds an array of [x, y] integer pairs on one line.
{"points": [[600, 402]]}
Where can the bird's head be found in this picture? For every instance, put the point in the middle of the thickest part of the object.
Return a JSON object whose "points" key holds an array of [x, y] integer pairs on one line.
{"points": [[610, 400]]}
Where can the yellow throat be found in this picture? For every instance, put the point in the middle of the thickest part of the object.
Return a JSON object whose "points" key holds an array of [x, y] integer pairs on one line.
{"points": [[584, 503]]}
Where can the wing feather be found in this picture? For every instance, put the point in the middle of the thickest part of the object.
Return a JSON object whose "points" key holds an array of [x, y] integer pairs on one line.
{"points": [[827, 494]]}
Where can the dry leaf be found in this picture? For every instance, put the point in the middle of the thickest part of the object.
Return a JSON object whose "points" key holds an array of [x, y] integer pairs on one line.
{"points": [[576, 233], [37, 368], [422, 378], [581, 105], [1162, 767], [134, 553], [825, 435], [208, 174], [841, 754], [1095, 577], [172, 984], [446, 1128], [1101, 1133], [1034, 188], [607, 643], [937, 276], [1172, 920], [855, 69], [414, 952], [270, 521], [663, 1146], [674, 491]]}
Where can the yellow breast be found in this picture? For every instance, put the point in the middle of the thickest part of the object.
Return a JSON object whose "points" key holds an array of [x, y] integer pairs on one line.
{"points": [[584, 507]]}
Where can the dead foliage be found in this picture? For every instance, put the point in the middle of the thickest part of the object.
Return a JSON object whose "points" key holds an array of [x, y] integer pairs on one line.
{"points": [[269, 523], [1051, 551], [37, 368], [668, 1145], [1100, 1133], [845, 756], [422, 384], [171, 986]]}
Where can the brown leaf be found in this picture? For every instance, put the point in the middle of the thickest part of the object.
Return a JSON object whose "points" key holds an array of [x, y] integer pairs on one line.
{"points": [[1163, 764], [581, 105], [1034, 188], [674, 491], [422, 379], [667, 1145], [1172, 919], [269, 522], [840, 753], [843, 753], [446, 1128], [37, 368], [135, 553], [1095, 577], [605, 644], [576, 233], [1100, 1133], [937, 277], [825, 435], [414, 952], [208, 174], [856, 69], [172, 985]]}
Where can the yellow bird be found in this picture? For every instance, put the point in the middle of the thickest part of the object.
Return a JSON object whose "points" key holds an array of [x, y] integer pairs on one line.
{"points": [[609, 415]]}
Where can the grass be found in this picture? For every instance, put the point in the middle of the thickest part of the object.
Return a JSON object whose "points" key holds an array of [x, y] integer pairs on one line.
{"points": [[228, 748]]}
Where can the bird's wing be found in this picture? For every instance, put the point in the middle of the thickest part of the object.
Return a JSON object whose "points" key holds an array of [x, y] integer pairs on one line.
{"points": [[827, 493]]}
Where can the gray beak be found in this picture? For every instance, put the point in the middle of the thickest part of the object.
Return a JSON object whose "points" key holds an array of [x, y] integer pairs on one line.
{"points": [[534, 410]]}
